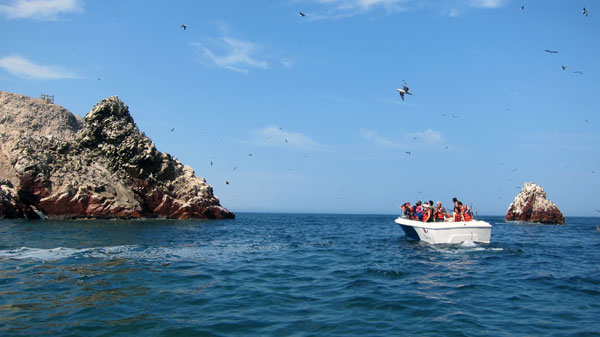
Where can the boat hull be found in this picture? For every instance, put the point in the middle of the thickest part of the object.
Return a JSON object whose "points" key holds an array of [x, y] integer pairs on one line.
{"points": [[446, 232]]}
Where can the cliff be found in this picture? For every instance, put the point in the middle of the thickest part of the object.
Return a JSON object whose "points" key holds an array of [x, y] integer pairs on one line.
{"points": [[532, 205], [63, 166]]}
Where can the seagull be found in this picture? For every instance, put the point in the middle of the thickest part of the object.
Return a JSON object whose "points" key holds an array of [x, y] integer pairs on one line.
{"points": [[564, 67], [577, 72], [302, 14], [551, 51], [584, 11], [183, 26]]}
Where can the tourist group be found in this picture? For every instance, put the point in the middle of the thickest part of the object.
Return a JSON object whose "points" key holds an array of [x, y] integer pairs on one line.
{"points": [[428, 213]]}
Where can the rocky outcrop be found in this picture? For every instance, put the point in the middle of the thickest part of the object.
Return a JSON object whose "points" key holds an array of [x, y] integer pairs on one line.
{"points": [[98, 167], [532, 205]]}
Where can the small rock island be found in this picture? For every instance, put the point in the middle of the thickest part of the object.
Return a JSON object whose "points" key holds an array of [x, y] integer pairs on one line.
{"points": [[532, 205], [57, 165]]}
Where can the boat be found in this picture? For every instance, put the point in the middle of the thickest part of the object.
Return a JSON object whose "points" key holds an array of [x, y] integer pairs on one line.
{"points": [[446, 231]]}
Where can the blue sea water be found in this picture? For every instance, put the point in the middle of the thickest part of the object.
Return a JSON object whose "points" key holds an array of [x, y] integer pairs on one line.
{"points": [[295, 275]]}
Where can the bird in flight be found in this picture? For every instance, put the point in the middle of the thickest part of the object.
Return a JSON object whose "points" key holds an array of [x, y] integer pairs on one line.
{"points": [[403, 91], [584, 11], [408, 153], [183, 26], [172, 129], [523, 7], [551, 51], [302, 14], [578, 72], [564, 67]]}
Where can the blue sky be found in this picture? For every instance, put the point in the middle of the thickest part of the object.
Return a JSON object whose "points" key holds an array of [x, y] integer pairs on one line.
{"points": [[299, 114]]}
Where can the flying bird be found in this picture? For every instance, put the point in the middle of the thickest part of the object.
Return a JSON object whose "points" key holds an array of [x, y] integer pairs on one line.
{"points": [[226, 182], [403, 91], [564, 67], [172, 129], [407, 152], [551, 51], [523, 7], [578, 72], [302, 14], [584, 11], [183, 26]]}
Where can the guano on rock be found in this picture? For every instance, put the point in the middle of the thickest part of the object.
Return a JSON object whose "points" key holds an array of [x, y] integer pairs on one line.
{"points": [[64, 167]]}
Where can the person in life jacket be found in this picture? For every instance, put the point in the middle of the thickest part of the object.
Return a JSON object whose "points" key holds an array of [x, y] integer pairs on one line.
{"points": [[428, 212], [440, 214], [458, 216], [419, 211], [466, 213], [407, 210]]}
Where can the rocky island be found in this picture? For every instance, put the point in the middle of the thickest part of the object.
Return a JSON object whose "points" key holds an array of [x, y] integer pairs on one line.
{"points": [[532, 205], [57, 165]]}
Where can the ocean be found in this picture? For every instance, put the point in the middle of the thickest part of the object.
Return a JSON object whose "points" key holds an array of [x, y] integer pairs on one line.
{"points": [[295, 275]]}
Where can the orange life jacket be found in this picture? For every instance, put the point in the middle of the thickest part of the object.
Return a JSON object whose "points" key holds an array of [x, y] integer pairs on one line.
{"points": [[457, 217], [440, 215], [466, 214], [426, 215]]}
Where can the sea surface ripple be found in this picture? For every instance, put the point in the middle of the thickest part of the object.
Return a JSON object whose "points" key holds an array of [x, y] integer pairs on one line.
{"points": [[295, 275]]}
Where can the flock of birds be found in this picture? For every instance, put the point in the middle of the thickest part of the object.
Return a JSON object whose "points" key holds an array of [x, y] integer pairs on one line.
{"points": [[405, 89]]}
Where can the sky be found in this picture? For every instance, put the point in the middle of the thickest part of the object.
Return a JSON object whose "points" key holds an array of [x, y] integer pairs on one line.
{"points": [[300, 113]]}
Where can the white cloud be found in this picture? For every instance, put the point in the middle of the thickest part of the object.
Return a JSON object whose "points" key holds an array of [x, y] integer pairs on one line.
{"points": [[428, 136], [40, 9], [487, 3], [23, 68], [376, 138], [336, 9], [232, 54], [405, 140], [274, 136], [346, 8]]}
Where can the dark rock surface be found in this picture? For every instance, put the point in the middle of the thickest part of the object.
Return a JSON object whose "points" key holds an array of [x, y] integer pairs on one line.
{"points": [[532, 205], [100, 167]]}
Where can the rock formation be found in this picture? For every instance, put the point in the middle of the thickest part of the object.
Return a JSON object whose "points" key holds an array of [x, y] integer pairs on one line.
{"points": [[531, 205], [63, 166]]}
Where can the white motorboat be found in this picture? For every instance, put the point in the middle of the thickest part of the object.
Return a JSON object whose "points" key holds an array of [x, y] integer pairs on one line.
{"points": [[447, 231]]}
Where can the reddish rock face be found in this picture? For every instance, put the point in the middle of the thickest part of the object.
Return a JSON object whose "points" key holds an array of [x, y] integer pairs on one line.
{"points": [[531, 205], [102, 167]]}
